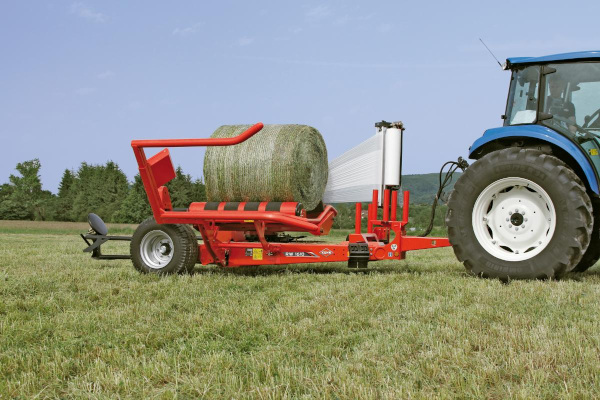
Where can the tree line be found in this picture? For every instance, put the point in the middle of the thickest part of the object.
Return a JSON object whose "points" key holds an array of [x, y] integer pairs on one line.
{"points": [[102, 189]]}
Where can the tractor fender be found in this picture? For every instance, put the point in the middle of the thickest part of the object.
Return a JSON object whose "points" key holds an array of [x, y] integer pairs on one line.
{"points": [[544, 134]]}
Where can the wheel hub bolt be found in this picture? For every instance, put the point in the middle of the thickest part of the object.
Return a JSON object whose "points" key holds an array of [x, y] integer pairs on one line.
{"points": [[507, 219], [510, 213], [523, 226], [516, 251], [509, 226], [516, 229], [164, 249]]}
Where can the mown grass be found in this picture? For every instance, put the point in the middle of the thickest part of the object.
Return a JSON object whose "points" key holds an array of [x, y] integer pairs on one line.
{"points": [[49, 227], [73, 327]]}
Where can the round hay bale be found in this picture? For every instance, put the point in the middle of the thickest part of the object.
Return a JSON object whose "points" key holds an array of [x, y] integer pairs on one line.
{"points": [[279, 163]]}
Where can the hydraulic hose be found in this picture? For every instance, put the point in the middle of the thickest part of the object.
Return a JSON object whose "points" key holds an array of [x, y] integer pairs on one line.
{"points": [[454, 165]]}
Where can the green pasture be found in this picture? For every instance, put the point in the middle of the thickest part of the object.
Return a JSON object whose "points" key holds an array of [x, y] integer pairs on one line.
{"points": [[72, 327]]}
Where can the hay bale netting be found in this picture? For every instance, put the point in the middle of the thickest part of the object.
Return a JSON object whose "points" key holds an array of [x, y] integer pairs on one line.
{"points": [[279, 163]]}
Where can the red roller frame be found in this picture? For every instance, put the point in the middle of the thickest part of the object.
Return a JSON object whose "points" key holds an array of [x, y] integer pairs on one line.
{"points": [[225, 234]]}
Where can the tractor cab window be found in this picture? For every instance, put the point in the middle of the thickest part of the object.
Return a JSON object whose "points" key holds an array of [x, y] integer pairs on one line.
{"points": [[572, 98], [571, 102], [522, 104], [586, 100]]}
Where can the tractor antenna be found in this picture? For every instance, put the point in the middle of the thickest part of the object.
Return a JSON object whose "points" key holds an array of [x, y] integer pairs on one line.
{"points": [[488, 49]]}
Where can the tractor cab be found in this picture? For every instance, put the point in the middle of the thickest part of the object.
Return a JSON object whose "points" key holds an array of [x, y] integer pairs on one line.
{"points": [[564, 97]]}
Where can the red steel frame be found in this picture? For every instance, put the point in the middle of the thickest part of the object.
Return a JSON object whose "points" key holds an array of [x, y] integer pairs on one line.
{"points": [[224, 232]]}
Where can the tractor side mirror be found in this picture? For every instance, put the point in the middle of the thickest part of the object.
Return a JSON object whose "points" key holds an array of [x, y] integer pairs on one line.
{"points": [[544, 116]]}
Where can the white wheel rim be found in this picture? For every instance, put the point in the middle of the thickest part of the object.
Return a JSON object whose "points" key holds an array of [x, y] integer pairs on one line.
{"points": [[514, 219], [156, 249]]}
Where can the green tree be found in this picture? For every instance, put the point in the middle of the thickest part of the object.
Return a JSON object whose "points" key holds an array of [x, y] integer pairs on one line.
{"points": [[99, 189], [115, 189], [66, 197], [23, 197], [198, 191], [45, 207], [135, 208], [6, 203], [181, 189]]}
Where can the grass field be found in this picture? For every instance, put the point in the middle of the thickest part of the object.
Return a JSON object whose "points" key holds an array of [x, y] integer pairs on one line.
{"points": [[72, 327]]}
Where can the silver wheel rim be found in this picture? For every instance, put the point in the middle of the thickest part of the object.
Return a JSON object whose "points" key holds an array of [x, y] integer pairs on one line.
{"points": [[514, 219], [156, 249]]}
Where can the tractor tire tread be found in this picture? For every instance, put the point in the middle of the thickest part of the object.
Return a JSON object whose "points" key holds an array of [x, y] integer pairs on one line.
{"points": [[592, 254], [469, 251]]}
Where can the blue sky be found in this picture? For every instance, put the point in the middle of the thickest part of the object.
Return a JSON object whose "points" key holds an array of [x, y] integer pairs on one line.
{"points": [[80, 80]]}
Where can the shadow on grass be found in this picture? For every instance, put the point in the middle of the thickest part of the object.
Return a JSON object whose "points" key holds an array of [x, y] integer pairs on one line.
{"points": [[589, 276], [106, 264], [317, 269]]}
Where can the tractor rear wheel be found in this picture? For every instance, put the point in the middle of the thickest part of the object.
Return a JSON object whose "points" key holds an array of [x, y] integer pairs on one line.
{"points": [[519, 214], [163, 248], [592, 254]]}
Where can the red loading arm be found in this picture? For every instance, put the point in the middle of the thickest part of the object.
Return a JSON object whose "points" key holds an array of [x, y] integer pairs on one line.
{"points": [[199, 142], [146, 166]]}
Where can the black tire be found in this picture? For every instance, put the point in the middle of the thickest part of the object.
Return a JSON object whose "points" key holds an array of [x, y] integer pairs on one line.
{"points": [[592, 254], [194, 254], [572, 205], [180, 257]]}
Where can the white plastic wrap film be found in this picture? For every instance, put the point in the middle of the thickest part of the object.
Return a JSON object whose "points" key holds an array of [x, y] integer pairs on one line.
{"points": [[354, 174], [392, 155]]}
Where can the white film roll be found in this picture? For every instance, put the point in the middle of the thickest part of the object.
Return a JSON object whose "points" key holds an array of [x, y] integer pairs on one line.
{"points": [[392, 156], [354, 174]]}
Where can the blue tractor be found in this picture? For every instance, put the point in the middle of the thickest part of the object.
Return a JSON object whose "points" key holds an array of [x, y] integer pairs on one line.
{"points": [[529, 206]]}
